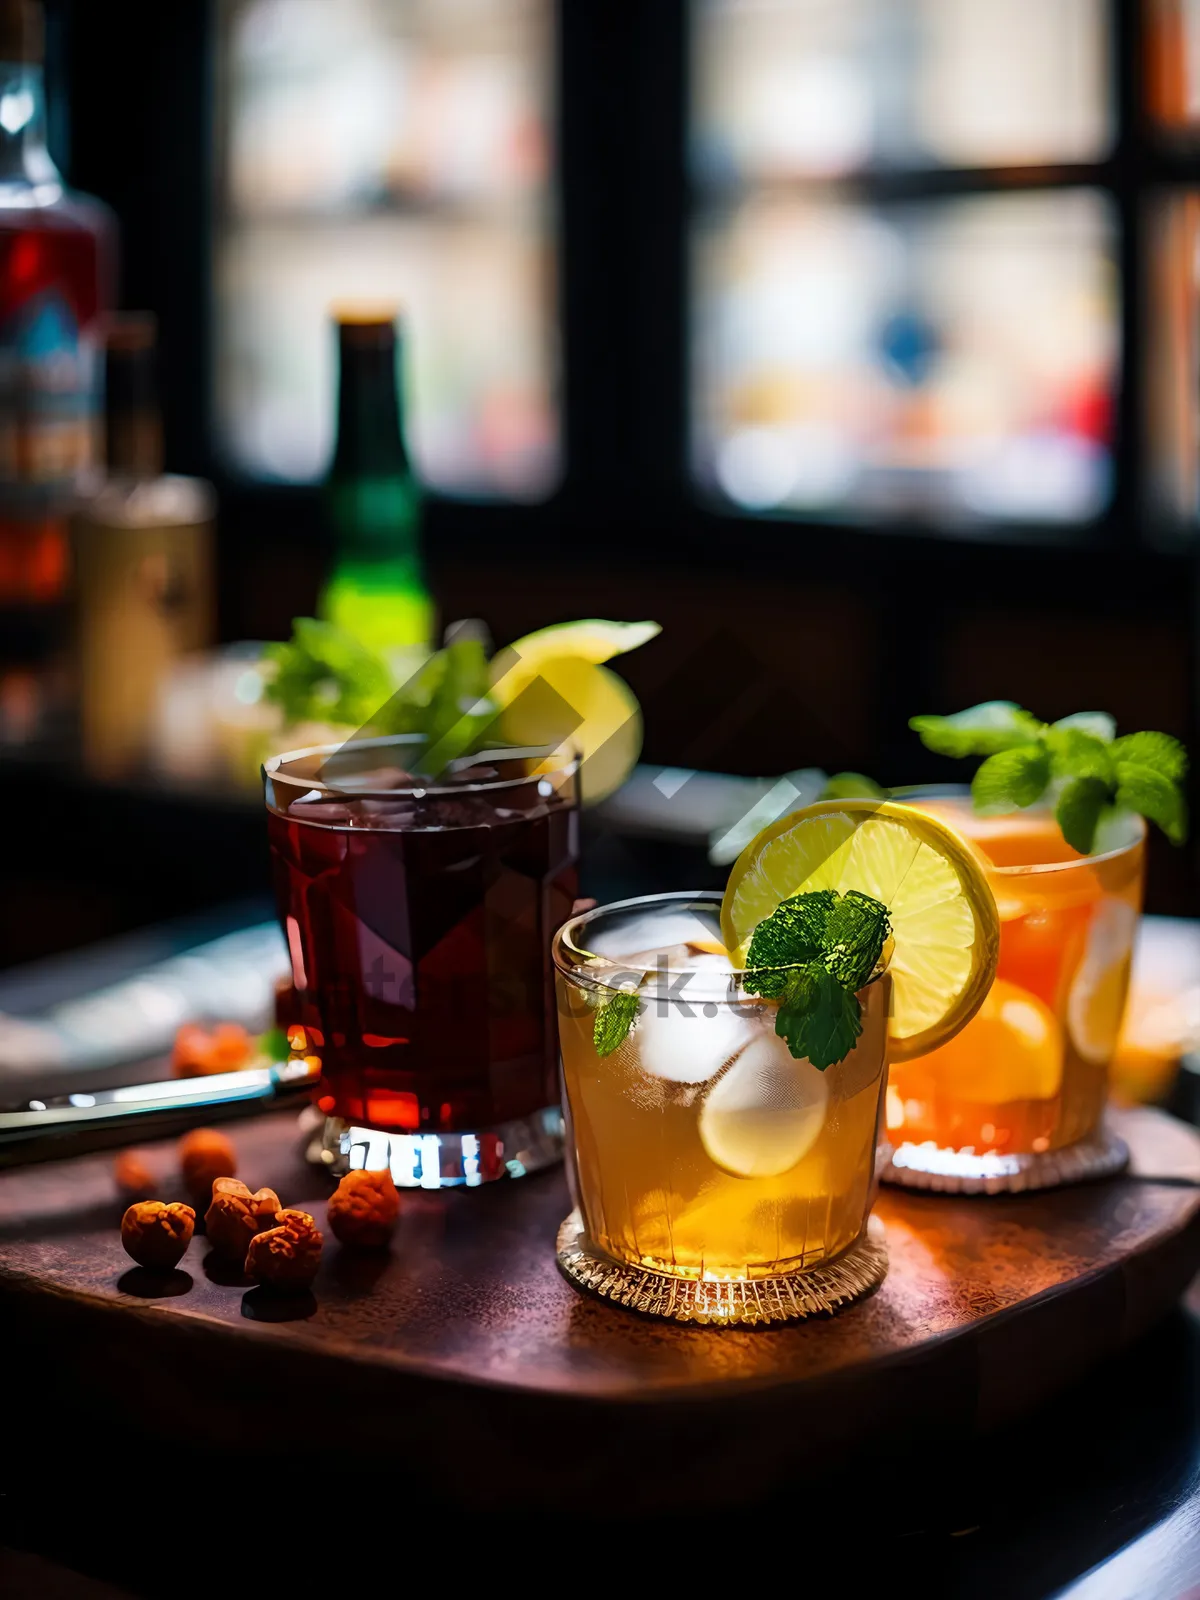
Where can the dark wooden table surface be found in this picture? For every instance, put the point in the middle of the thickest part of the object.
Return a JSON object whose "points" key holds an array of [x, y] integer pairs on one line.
{"points": [[1095, 1491]]}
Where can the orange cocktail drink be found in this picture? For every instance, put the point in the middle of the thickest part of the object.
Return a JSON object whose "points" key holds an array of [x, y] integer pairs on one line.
{"points": [[1028, 1075]]}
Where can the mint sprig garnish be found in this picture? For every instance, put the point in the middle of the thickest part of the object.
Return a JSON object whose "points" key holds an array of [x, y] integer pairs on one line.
{"points": [[323, 674], [1077, 764], [979, 731], [812, 954], [613, 1020]]}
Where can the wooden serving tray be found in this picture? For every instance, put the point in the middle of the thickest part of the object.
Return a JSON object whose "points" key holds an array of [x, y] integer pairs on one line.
{"points": [[465, 1358]]}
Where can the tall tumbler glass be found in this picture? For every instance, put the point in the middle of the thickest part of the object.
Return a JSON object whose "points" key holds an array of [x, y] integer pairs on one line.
{"points": [[419, 917], [1016, 1100]]}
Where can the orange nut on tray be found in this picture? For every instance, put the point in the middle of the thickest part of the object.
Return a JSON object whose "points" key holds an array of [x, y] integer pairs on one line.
{"points": [[236, 1215], [156, 1235], [205, 1155], [286, 1257], [363, 1212], [133, 1177], [202, 1052]]}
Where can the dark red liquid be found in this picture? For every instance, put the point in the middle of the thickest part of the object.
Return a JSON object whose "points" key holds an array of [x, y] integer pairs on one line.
{"points": [[422, 955]]}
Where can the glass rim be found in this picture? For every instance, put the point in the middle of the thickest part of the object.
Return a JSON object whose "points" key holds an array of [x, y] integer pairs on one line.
{"points": [[589, 967], [272, 772], [913, 794]]}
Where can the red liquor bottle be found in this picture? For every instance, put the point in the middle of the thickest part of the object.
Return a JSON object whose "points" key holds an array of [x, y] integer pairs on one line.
{"points": [[56, 252]]}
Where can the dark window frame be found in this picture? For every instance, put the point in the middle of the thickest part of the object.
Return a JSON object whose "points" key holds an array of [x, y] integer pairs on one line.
{"points": [[624, 205]]}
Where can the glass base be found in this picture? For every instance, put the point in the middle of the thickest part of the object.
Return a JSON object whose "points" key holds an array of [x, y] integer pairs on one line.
{"points": [[807, 1292], [442, 1160], [941, 1171]]}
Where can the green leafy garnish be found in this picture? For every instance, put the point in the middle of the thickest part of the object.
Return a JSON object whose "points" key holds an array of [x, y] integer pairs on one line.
{"points": [[274, 1043], [852, 786], [812, 954], [323, 674], [818, 1019], [793, 933], [614, 1018], [1012, 778], [979, 731], [1077, 764], [460, 711]]}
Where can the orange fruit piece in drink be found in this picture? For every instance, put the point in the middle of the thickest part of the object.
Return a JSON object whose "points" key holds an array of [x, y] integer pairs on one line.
{"points": [[1012, 1050], [1096, 1003], [1037, 948]]}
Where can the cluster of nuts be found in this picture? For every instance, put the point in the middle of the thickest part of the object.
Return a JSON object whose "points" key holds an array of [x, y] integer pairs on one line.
{"points": [[274, 1245], [236, 1216], [286, 1256]]}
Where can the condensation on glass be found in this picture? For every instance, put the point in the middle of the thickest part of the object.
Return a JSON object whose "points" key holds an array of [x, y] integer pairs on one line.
{"points": [[389, 151], [954, 356]]}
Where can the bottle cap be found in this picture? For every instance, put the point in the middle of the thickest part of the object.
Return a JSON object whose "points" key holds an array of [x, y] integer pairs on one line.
{"points": [[22, 36], [367, 326]]}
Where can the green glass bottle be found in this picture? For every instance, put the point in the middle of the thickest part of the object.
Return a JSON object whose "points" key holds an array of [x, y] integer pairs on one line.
{"points": [[377, 589]]}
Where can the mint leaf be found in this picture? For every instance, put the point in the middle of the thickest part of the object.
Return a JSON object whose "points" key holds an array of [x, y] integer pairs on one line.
{"points": [[1097, 723], [854, 938], [1158, 751], [793, 933], [1078, 811], [818, 1019], [460, 709], [981, 730], [1141, 772], [1143, 789], [1011, 778], [323, 674], [1075, 753], [274, 1043], [811, 954], [852, 786], [614, 1018]]}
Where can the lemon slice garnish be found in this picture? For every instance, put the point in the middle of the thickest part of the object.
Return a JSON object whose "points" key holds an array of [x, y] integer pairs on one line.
{"points": [[552, 689], [595, 639], [944, 924], [764, 1114]]}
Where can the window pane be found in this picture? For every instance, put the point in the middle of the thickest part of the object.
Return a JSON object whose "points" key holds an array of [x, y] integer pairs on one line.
{"points": [[1172, 355], [390, 150], [810, 87], [954, 356], [1172, 62]]}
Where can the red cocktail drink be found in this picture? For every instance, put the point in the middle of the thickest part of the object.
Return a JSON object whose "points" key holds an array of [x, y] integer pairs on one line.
{"points": [[419, 916]]}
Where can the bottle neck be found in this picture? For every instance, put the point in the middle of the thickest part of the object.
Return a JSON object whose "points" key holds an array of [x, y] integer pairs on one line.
{"points": [[25, 161], [370, 426]]}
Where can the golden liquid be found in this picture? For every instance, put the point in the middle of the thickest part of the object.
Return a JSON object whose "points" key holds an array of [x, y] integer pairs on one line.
{"points": [[651, 1193], [1030, 1072]]}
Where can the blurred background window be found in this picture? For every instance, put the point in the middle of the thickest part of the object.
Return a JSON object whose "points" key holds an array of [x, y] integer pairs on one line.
{"points": [[1172, 71], [905, 284], [389, 151], [1171, 84]]}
